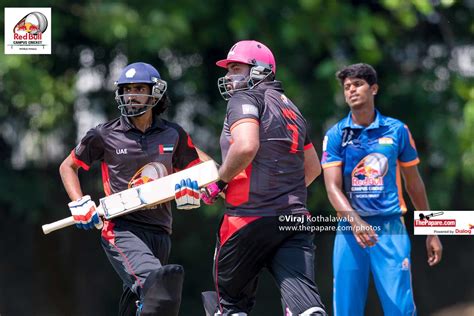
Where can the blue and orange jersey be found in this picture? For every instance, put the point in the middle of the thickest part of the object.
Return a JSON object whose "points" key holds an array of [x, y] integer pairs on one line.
{"points": [[370, 158]]}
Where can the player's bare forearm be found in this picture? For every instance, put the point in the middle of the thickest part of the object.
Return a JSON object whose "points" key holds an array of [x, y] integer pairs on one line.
{"points": [[312, 166], [341, 204], [333, 182], [415, 188], [417, 192], [245, 145], [363, 232], [68, 171], [238, 158], [202, 155]]}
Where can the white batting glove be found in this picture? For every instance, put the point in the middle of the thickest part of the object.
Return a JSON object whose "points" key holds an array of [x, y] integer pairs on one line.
{"points": [[85, 213], [187, 195]]}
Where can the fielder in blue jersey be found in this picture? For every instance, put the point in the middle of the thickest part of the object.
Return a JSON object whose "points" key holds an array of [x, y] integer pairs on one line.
{"points": [[363, 157]]}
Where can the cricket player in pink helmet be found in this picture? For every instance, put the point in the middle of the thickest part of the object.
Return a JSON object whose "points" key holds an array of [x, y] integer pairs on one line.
{"points": [[268, 161]]}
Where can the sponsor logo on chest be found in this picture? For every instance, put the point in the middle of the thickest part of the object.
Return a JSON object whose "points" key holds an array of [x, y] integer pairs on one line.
{"points": [[368, 174]]}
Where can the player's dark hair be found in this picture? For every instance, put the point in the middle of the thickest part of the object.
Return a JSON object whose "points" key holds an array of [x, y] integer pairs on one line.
{"points": [[163, 104], [361, 71]]}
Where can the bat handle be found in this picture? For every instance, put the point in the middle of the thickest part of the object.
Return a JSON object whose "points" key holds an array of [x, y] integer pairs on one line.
{"points": [[51, 227], [65, 222]]}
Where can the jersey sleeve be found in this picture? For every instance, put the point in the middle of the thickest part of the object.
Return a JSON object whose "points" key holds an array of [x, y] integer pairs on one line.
{"points": [[90, 149], [185, 155], [332, 155], [242, 108], [407, 154]]}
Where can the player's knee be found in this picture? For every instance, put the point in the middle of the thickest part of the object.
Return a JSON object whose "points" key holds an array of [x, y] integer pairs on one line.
{"points": [[162, 291]]}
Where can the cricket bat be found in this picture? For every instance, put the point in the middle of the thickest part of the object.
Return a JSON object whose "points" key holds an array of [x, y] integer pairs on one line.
{"points": [[152, 193]]}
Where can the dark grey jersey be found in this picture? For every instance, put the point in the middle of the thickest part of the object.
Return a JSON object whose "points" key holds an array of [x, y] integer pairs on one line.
{"points": [[274, 183], [123, 150]]}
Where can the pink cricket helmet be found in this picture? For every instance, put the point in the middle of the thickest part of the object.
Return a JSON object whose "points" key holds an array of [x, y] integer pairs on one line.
{"points": [[250, 52]]}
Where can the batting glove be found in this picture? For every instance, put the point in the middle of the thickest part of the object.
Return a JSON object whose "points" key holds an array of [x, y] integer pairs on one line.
{"points": [[186, 194], [85, 213], [210, 193]]}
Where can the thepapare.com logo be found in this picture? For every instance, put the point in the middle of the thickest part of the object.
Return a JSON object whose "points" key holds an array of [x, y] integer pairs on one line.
{"points": [[27, 30]]}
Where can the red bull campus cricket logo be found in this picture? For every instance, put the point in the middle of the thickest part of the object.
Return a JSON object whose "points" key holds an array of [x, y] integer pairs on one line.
{"points": [[27, 30], [31, 27], [370, 170]]}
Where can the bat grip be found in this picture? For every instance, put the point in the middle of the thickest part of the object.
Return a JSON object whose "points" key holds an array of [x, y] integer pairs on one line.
{"points": [[51, 227], [65, 222]]}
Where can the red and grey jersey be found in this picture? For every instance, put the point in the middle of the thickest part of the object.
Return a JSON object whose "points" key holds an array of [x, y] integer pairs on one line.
{"points": [[123, 150], [274, 182]]}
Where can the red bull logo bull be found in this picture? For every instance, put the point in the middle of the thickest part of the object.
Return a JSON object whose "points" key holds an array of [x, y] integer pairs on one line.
{"points": [[370, 170], [34, 23]]}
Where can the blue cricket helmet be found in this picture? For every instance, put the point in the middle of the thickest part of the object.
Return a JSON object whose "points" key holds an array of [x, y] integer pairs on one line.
{"points": [[139, 73]]}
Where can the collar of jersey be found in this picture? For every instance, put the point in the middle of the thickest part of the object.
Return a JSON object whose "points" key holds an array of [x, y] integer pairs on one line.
{"points": [[378, 121], [126, 125], [275, 84]]}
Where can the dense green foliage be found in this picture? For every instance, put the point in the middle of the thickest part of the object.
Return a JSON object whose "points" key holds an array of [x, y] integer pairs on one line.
{"points": [[423, 51]]}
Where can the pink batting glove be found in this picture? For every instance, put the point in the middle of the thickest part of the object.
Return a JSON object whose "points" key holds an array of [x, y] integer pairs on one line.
{"points": [[210, 193]]}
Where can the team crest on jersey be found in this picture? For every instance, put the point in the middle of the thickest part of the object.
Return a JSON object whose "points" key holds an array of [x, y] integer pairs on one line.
{"points": [[370, 171], [149, 172]]}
